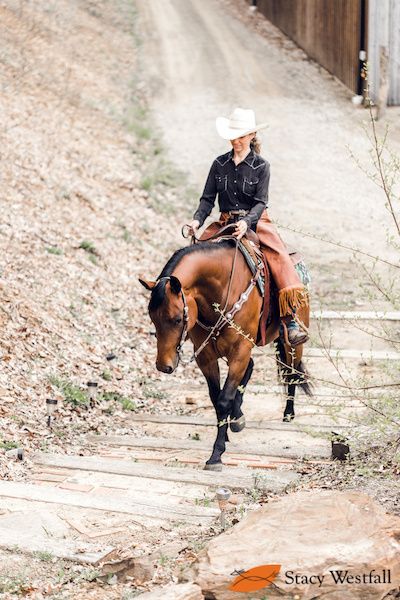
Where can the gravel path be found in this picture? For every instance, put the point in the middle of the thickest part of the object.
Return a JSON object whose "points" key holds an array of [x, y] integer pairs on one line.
{"points": [[213, 55]]}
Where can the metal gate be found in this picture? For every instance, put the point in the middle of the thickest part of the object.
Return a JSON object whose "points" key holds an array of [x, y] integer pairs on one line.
{"points": [[332, 32]]}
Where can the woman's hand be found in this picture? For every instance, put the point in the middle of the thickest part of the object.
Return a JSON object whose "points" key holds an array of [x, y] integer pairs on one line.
{"points": [[241, 228], [193, 226]]}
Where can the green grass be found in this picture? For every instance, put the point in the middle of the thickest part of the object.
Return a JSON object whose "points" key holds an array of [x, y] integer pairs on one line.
{"points": [[204, 501], [136, 122], [54, 250], [150, 392], [72, 393], [16, 584], [126, 235], [126, 403], [89, 247], [147, 183], [10, 445], [43, 555], [106, 375]]}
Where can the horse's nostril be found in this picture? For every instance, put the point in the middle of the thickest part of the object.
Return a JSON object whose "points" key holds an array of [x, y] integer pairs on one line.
{"points": [[165, 368]]}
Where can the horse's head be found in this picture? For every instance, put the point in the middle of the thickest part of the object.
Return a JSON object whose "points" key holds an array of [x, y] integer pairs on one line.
{"points": [[167, 311]]}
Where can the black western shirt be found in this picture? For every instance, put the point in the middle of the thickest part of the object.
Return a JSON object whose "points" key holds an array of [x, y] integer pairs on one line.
{"points": [[239, 187]]}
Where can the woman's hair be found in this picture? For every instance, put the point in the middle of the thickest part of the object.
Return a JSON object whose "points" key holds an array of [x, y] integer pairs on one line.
{"points": [[255, 144]]}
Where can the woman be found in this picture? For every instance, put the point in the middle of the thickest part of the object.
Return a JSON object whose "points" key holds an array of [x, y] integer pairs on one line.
{"points": [[241, 179]]}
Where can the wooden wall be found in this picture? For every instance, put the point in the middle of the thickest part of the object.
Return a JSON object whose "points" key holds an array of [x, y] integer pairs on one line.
{"points": [[384, 51], [328, 30], [394, 53]]}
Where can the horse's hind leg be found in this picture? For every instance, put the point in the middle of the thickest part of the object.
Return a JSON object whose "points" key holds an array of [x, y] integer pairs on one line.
{"points": [[237, 414], [289, 414], [292, 374]]}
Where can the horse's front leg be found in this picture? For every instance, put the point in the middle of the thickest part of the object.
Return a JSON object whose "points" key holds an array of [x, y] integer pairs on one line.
{"points": [[238, 421], [224, 406], [208, 364]]}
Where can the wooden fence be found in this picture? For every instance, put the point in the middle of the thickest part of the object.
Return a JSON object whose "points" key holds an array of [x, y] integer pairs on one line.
{"points": [[384, 51], [332, 32]]}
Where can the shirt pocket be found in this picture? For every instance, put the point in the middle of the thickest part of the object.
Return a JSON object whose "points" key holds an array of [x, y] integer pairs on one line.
{"points": [[249, 186], [221, 181]]}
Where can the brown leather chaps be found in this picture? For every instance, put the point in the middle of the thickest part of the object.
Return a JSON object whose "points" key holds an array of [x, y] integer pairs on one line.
{"points": [[292, 293]]}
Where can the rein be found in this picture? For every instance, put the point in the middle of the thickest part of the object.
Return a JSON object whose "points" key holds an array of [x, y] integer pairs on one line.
{"points": [[185, 322], [225, 317], [214, 236], [214, 330]]}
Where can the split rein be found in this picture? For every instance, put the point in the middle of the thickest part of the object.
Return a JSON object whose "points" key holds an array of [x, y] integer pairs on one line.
{"points": [[225, 317]]}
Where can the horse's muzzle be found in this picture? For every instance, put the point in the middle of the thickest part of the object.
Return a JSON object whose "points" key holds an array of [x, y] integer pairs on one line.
{"points": [[166, 368]]}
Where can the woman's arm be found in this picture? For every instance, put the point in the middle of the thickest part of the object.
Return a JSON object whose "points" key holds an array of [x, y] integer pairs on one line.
{"points": [[260, 197], [207, 199]]}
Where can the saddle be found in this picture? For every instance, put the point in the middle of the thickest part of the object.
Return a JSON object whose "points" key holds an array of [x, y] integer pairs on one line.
{"points": [[250, 248]]}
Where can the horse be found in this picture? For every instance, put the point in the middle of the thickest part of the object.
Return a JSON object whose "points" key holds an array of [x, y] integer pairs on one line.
{"points": [[207, 293]]}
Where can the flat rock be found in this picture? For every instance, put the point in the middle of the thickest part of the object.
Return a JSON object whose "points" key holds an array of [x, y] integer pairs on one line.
{"points": [[308, 534], [41, 530], [180, 591]]}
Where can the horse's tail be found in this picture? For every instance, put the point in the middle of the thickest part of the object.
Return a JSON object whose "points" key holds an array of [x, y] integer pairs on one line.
{"points": [[297, 376]]}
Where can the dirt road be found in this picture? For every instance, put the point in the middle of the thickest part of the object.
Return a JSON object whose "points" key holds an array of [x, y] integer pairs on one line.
{"points": [[209, 61]]}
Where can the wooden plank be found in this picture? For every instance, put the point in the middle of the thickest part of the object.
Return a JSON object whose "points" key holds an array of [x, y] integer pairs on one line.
{"points": [[158, 442], [337, 353], [204, 422], [147, 508], [231, 478], [356, 315], [351, 353]]}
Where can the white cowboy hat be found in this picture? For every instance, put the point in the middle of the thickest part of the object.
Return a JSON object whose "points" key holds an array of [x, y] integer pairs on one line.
{"points": [[241, 122]]}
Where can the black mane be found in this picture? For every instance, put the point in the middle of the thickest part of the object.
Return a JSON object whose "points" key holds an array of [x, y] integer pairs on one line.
{"points": [[158, 292]]}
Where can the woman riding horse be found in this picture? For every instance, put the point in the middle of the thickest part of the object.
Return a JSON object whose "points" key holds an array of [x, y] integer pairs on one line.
{"points": [[206, 291], [241, 179]]}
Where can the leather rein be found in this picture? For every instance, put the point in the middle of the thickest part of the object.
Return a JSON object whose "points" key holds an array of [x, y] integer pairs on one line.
{"points": [[224, 317]]}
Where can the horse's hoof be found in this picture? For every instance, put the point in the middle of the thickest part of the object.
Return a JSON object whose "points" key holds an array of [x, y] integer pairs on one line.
{"points": [[238, 424], [288, 418], [213, 466]]}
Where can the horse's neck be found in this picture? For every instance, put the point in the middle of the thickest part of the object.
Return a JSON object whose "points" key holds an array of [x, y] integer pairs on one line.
{"points": [[205, 276]]}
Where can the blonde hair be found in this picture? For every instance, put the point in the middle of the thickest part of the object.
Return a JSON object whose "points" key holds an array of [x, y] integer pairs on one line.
{"points": [[255, 144]]}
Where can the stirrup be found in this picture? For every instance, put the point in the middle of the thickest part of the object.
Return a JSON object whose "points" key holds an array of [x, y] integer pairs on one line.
{"points": [[302, 337]]}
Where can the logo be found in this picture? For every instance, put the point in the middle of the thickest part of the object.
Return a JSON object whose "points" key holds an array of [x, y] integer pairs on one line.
{"points": [[254, 579]]}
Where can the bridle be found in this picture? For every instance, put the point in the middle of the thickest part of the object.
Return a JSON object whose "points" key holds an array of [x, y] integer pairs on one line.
{"points": [[185, 325], [223, 319]]}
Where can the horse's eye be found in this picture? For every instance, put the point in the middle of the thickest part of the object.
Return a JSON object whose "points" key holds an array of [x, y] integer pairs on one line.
{"points": [[178, 320]]}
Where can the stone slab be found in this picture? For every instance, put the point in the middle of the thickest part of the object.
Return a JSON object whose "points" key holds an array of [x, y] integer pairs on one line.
{"points": [[35, 531]]}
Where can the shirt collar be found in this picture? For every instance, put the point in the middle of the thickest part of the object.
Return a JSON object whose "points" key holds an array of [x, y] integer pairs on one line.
{"points": [[249, 160]]}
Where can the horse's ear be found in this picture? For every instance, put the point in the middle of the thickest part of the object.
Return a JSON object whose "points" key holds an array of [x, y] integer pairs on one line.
{"points": [[147, 284], [175, 285]]}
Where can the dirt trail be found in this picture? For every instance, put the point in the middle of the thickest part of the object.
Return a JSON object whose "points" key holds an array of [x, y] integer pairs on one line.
{"points": [[208, 62]]}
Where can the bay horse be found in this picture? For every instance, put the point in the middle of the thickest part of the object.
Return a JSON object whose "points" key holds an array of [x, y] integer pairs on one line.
{"points": [[200, 286]]}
